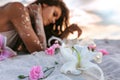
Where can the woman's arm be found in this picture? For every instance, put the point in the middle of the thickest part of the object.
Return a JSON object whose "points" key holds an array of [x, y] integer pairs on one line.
{"points": [[39, 27], [19, 17], [71, 29]]}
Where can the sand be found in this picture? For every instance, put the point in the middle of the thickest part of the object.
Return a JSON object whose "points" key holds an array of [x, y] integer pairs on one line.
{"points": [[21, 64]]}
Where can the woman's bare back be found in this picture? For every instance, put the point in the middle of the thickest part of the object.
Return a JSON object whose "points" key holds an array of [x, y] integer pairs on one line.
{"points": [[5, 24]]}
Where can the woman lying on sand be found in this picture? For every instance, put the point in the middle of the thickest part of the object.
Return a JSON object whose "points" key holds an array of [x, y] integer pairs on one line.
{"points": [[28, 28]]}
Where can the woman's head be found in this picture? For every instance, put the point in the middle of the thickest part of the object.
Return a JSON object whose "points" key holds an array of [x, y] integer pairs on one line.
{"points": [[56, 4], [59, 8], [50, 14]]}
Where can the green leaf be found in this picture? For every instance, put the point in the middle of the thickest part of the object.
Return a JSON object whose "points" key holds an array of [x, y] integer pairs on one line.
{"points": [[56, 63]]}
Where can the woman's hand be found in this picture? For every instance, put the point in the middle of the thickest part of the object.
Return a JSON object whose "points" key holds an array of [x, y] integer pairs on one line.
{"points": [[71, 29]]}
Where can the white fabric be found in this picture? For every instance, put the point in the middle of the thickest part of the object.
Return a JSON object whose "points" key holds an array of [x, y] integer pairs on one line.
{"points": [[11, 35]]}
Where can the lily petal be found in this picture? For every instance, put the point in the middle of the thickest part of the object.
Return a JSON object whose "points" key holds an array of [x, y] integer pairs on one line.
{"points": [[71, 61], [67, 54], [70, 67]]}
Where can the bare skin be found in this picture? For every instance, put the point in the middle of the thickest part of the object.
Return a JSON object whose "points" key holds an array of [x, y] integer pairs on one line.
{"points": [[14, 16]]}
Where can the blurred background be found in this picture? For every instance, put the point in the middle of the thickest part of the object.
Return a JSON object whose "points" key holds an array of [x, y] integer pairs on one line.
{"points": [[99, 19]]}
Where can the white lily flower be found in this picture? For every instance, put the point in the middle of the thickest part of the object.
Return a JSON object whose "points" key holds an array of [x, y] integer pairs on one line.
{"points": [[79, 59], [71, 61], [87, 55]]}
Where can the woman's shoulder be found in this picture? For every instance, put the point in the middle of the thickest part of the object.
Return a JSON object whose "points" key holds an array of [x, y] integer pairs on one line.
{"points": [[14, 5], [14, 9], [11, 7]]}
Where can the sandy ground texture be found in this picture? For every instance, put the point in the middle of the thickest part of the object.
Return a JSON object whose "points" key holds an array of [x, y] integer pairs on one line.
{"points": [[12, 67], [111, 62]]}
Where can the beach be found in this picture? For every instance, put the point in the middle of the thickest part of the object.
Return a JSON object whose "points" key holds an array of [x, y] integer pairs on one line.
{"points": [[21, 64], [98, 23], [111, 63]]}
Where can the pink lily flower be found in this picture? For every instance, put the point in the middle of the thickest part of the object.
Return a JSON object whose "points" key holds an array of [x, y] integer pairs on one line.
{"points": [[5, 52]]}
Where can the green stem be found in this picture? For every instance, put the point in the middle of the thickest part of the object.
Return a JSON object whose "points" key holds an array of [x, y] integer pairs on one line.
{"points": [[78, 57], [46, 71]]}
